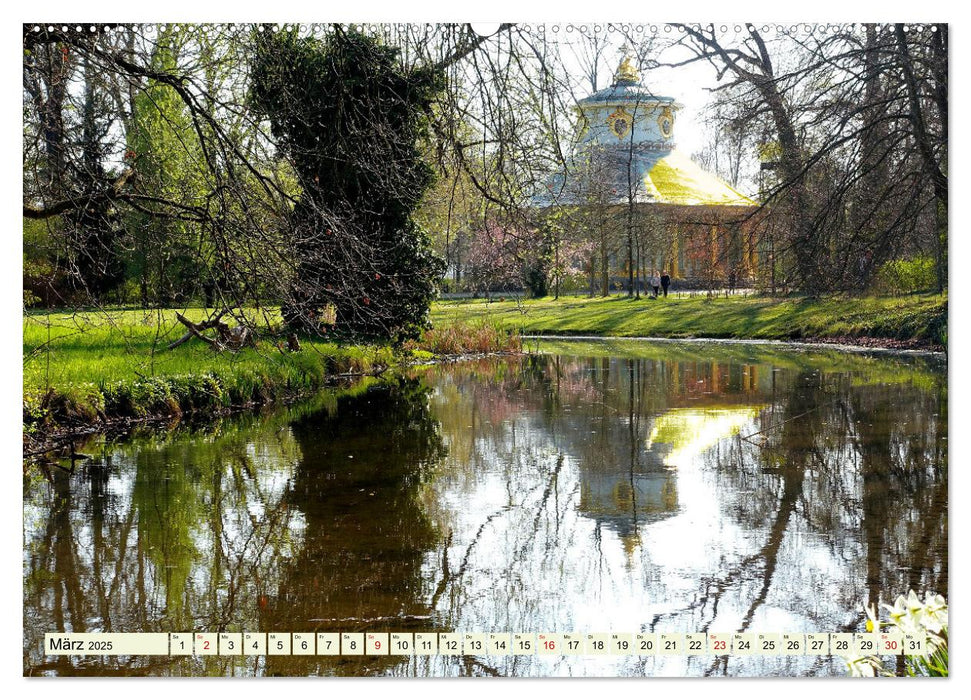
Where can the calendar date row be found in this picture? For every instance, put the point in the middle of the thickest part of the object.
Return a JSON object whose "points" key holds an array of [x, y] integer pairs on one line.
{"points": [[480, 644]]}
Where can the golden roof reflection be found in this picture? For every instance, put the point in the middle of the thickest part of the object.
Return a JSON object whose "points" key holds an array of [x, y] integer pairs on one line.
{"points": [[690, 431]]}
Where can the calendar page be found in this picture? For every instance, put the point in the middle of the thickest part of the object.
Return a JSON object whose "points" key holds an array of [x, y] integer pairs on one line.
{"points": [[610, 349]]}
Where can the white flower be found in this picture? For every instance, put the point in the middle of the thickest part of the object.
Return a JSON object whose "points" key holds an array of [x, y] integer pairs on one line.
{"points": [[926, 620], [864, 666], [935, 613], [899, 616]]}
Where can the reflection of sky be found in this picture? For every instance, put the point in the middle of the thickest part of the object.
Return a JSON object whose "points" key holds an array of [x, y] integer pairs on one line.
{"points": [[540, 557], [531, 551], [581, 518]]}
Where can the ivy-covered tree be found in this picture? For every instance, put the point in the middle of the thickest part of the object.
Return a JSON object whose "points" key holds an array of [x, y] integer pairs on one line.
{"points": [[351, 120]]}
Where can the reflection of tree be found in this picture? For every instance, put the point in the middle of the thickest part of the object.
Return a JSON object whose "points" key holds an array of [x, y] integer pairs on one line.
{"points": [[325, 522], [366, 535], [167, 499], [57, 555], [797, 449], [904, 489], [855, 467], [791, 454], [118, 545]]}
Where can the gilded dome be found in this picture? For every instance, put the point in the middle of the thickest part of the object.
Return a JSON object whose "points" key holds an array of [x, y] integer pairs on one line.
{"points": [[626, 87]]}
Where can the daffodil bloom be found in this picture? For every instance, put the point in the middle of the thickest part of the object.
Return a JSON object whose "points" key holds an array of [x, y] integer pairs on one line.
{"points": [[926, 620], [872, 620], [863, 666]]}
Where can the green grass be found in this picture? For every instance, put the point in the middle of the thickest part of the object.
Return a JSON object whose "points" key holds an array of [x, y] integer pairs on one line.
{"points": [[82, 366], [916, 317], [79, 367]]}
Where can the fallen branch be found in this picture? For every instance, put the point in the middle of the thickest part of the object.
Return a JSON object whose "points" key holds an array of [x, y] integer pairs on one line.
{"points": [[232, 338]]}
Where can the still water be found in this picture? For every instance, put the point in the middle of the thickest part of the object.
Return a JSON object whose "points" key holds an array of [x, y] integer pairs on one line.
{"points": [[590, 487]]}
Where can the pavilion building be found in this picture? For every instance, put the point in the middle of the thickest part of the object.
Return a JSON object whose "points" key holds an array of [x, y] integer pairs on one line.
{"points": [[626, 164]]}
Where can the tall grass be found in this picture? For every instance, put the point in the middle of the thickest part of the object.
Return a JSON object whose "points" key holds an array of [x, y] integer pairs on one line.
{"points": [[475, 337]]}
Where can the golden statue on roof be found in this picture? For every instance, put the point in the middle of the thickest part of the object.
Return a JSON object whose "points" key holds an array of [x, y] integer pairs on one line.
{"points": [[626, 72]]}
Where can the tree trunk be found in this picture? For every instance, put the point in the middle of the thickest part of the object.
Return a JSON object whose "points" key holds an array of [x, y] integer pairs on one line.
{"points": [[593, 273], [931, 166], [604, 268]]}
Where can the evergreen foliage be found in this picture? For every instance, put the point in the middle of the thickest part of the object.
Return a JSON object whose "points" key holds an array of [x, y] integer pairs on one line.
{"points": [[351, 120]]}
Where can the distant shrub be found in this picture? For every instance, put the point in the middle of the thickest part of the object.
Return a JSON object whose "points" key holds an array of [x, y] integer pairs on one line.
{"points": [[906, 276], [536, 281], [573, 282]]}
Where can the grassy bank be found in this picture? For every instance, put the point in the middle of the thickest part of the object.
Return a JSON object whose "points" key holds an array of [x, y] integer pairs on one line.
{"points": [[88, 367], [918, 318], [84, 367]]}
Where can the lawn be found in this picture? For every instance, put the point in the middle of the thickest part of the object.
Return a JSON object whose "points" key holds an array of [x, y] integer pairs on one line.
{"points": [[82, 366], [914, 317]]}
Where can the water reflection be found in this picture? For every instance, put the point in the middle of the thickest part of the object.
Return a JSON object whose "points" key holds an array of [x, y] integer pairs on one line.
{"points": [[655, 488], [681, 435], [357, 484]]}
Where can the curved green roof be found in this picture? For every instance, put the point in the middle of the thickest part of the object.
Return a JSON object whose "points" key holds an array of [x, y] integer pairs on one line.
{"points": [[676, 179], [663, 176], [624, 92]]}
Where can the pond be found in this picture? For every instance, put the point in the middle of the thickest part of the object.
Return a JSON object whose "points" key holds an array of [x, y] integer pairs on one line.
{"points": [[586, 487]]}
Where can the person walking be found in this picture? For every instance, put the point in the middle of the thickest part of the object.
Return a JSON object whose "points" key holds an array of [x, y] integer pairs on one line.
{"points": [[655, 283], [665, 282]]}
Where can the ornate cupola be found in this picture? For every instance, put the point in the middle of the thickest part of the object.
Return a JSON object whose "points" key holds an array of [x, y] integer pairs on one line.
{"points": [[628, 112], [626, 126]]}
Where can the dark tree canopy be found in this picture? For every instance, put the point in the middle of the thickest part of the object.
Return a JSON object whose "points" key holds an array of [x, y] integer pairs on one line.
{"points": [[351, 122]]}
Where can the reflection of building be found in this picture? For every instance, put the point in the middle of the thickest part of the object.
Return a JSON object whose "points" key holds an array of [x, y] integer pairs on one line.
{"points": [[702, 384], [693, 224], [625, 498], [626, 487], [624, 502]]}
